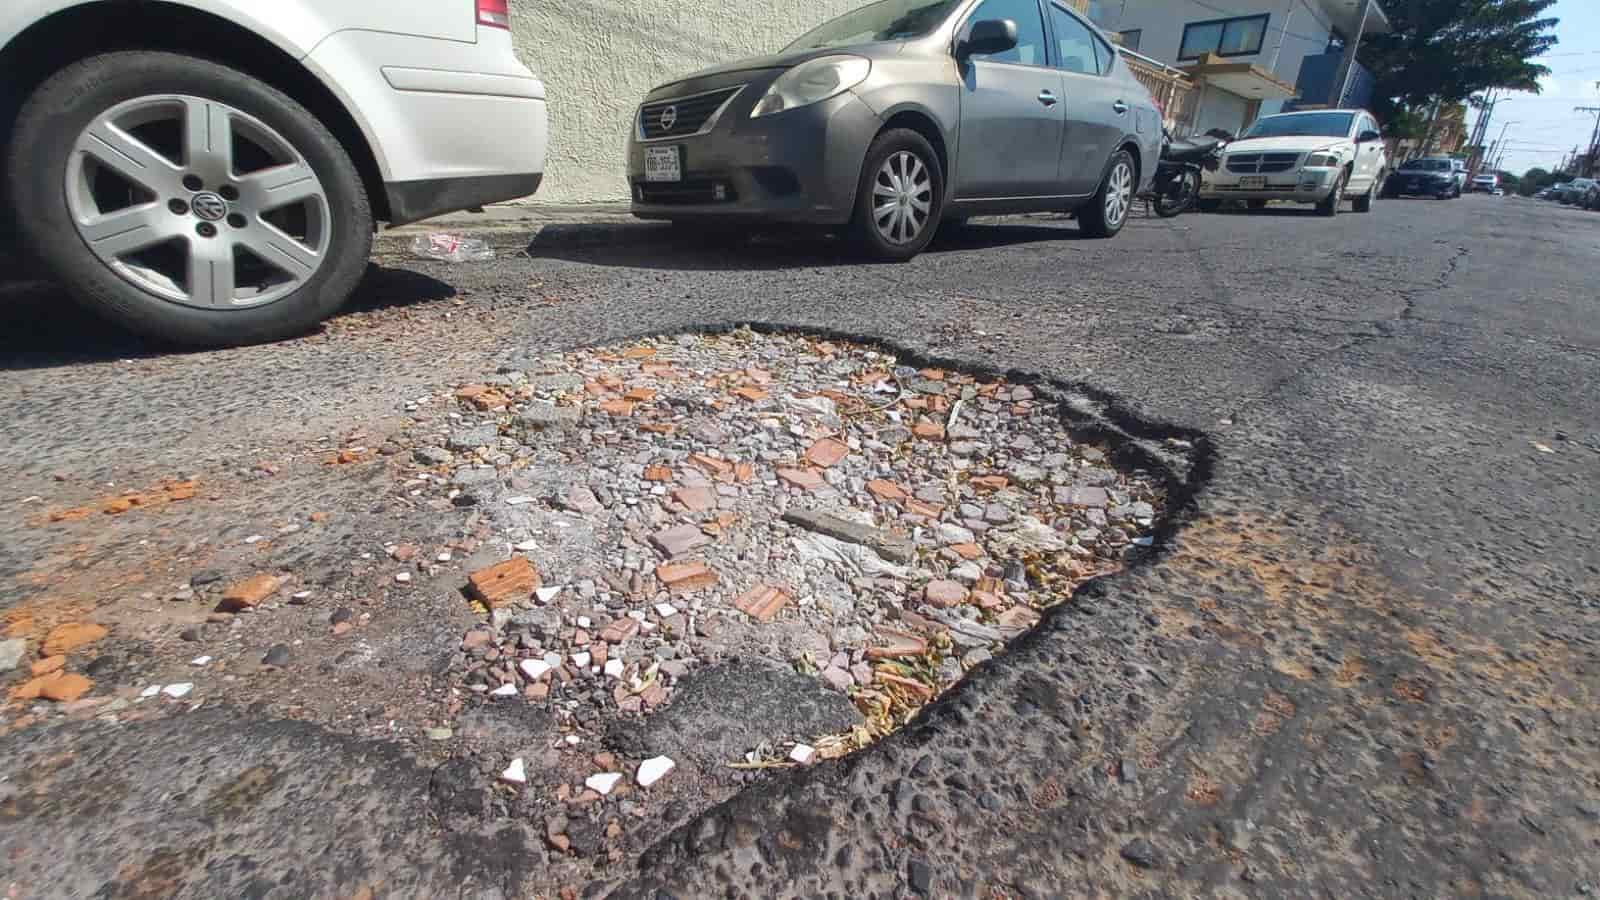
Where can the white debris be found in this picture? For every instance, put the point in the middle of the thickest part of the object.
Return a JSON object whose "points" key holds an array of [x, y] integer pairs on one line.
{"points": [[546, 594], [178, 690], [817, 549], [804, 754], [444, 556], [585, 622], [603, 783], [254, 539], [535, 669], [614, 668], [653, 770], [552, 659], [504, 690], [573, 740], [150, 691], [521, 500], [581, 660], [200, 661], [665, 609], [302, 595], [516, 773], [402, 577], [525, 546]]}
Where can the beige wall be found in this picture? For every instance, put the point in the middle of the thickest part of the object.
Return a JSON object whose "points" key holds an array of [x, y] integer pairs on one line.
{"points": [[598, 58]]}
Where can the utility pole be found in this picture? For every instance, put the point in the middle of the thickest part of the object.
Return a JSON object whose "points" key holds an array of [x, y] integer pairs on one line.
{"points": [[1480, 131]]}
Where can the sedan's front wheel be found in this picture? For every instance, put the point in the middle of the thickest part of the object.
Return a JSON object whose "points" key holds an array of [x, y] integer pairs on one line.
{"points": [[187, 200], [900, 198]]}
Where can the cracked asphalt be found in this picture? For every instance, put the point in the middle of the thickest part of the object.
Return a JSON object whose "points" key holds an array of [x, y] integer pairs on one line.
{"points": [[1363, 663]]}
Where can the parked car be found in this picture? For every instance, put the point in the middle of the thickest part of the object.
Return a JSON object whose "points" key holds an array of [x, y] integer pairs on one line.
{"points": [[901, 115], [1574, 190], [1591, 197], [1320, 157], [1430, 177], [210, 172], [1485, 184]]}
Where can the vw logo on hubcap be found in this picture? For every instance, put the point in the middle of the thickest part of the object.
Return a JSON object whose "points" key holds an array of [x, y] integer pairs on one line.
{"points": [[669, 118], [208, 206]]}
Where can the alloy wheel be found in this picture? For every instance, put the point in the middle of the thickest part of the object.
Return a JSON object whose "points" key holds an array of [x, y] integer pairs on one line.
{"points": [[198, 202], [1119, 193], [902, 198]]}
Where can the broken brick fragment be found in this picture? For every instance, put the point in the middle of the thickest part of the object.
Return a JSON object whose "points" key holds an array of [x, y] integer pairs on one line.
{"points": [[685, 577], [249, 593], [504, 583], [762, 602]]}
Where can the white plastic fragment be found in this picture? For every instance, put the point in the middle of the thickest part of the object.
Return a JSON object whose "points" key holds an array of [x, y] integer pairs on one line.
{"points": [[516, 773], [603, 783], [804, 754], [653, 770], [180, 689]]}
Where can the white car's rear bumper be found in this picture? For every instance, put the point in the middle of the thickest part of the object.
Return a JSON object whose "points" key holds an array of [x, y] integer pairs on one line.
{"points": [[1307, 185], [451, 124]]}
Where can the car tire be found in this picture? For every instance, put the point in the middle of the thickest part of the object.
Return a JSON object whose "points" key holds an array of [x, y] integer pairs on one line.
{"points": [[1255, 205], [1363, 203], [900, 167], [1107, 211], [295, 229], [1330, 206]]}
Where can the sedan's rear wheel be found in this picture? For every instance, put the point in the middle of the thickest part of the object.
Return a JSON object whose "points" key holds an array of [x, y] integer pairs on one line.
{"points": [[1105, 214], [187, 200], [900, 198]]}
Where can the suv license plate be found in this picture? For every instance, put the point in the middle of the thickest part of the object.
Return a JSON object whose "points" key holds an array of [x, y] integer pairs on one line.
{"points": [[663, 164], [1252, 182]]}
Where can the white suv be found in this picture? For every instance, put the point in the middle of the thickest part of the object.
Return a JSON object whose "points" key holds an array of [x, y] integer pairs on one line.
{"points": [[210, 172], [1323, 157]]}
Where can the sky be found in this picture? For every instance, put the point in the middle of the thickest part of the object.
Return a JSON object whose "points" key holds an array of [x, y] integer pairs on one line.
{"points": [[1543, 127]]}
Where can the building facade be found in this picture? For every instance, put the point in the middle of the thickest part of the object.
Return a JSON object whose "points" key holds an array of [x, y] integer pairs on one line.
{"points": [[1251, 57]]}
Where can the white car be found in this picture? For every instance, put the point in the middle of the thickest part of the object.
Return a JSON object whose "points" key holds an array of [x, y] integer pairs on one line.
{"points": [[1487, 184], [210, 172], [1320, 157]]}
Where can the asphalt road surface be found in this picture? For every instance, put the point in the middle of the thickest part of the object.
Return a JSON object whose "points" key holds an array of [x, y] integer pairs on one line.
{"points": [[1365, 661]]}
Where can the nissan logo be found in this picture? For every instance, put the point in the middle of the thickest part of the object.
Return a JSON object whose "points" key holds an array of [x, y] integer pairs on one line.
{"points": [[208, 206], [669, 118]]}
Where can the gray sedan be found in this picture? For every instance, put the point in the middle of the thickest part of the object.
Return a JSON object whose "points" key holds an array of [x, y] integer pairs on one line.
{"points": [[900, 115]]}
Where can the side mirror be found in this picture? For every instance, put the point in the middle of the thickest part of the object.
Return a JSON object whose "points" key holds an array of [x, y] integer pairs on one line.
{"points": [[1367, 137], [988, 36]]}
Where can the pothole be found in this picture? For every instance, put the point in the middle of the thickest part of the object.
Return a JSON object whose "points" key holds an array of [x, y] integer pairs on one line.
{"points": [[746, 551]]}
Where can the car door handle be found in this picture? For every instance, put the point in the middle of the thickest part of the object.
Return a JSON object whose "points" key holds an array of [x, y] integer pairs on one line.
{"points": [[1047, 98], [1120, 107]]}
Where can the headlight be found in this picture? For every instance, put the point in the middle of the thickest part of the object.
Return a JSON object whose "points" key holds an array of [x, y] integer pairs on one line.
{"points": [[812, 82], [1322, 161]]}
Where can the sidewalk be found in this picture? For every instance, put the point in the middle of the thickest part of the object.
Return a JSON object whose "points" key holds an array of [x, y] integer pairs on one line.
{"points": [[518, 226]]}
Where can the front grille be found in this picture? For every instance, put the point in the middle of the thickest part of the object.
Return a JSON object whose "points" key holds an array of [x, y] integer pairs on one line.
{"points": [[682, 116], [1261, 163], [687, 192]]}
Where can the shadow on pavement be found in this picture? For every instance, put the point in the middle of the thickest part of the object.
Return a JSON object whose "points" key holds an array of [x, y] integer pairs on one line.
{"points": [[41, 327], [775, 248]]}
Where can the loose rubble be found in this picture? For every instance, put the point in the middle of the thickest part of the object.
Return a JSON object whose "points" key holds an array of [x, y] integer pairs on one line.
{"points": [[704, 499]]}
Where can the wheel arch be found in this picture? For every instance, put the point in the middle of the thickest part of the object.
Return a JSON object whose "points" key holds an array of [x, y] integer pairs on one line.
{"points": [[78, 32], [923, 122]]}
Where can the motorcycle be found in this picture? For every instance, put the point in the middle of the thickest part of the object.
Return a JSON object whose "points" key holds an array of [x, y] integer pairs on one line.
{"points": [[1177, 183]]}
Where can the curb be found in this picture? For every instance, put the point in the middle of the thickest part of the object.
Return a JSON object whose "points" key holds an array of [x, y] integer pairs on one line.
{"points": [[516, 233]]}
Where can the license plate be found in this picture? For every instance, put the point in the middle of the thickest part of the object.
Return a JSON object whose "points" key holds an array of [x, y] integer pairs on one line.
{"points": [[1253, 182], [663, 164]]}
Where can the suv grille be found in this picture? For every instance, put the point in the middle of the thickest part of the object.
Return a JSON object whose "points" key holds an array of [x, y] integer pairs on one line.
{"points": [[683, 116], [1262, 163]]}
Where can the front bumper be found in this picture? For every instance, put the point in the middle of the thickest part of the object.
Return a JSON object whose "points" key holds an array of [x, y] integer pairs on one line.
{"points": [[1305, 185], [1427, 188], [799, 166]]}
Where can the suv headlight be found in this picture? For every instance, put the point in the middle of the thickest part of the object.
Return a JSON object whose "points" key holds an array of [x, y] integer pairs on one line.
{"points": [[1322, 161], [812, 82]]}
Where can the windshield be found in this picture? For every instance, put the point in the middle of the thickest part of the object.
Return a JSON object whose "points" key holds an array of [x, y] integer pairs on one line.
{"points": [[1302, 125], [1426, 165], [890, 20]]}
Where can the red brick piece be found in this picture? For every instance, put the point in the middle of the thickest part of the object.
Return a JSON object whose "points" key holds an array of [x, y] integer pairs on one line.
{"points": [[504, 583], [827, 452], [247, 594], [990, 483], [928, 430], [657, 473], [804, 479], [887, 491], [762, 602], [685, 577]]}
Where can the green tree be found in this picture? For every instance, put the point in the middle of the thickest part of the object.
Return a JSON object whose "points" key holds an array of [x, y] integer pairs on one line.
{"points": [[1444, 51], [1532, 180]]}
